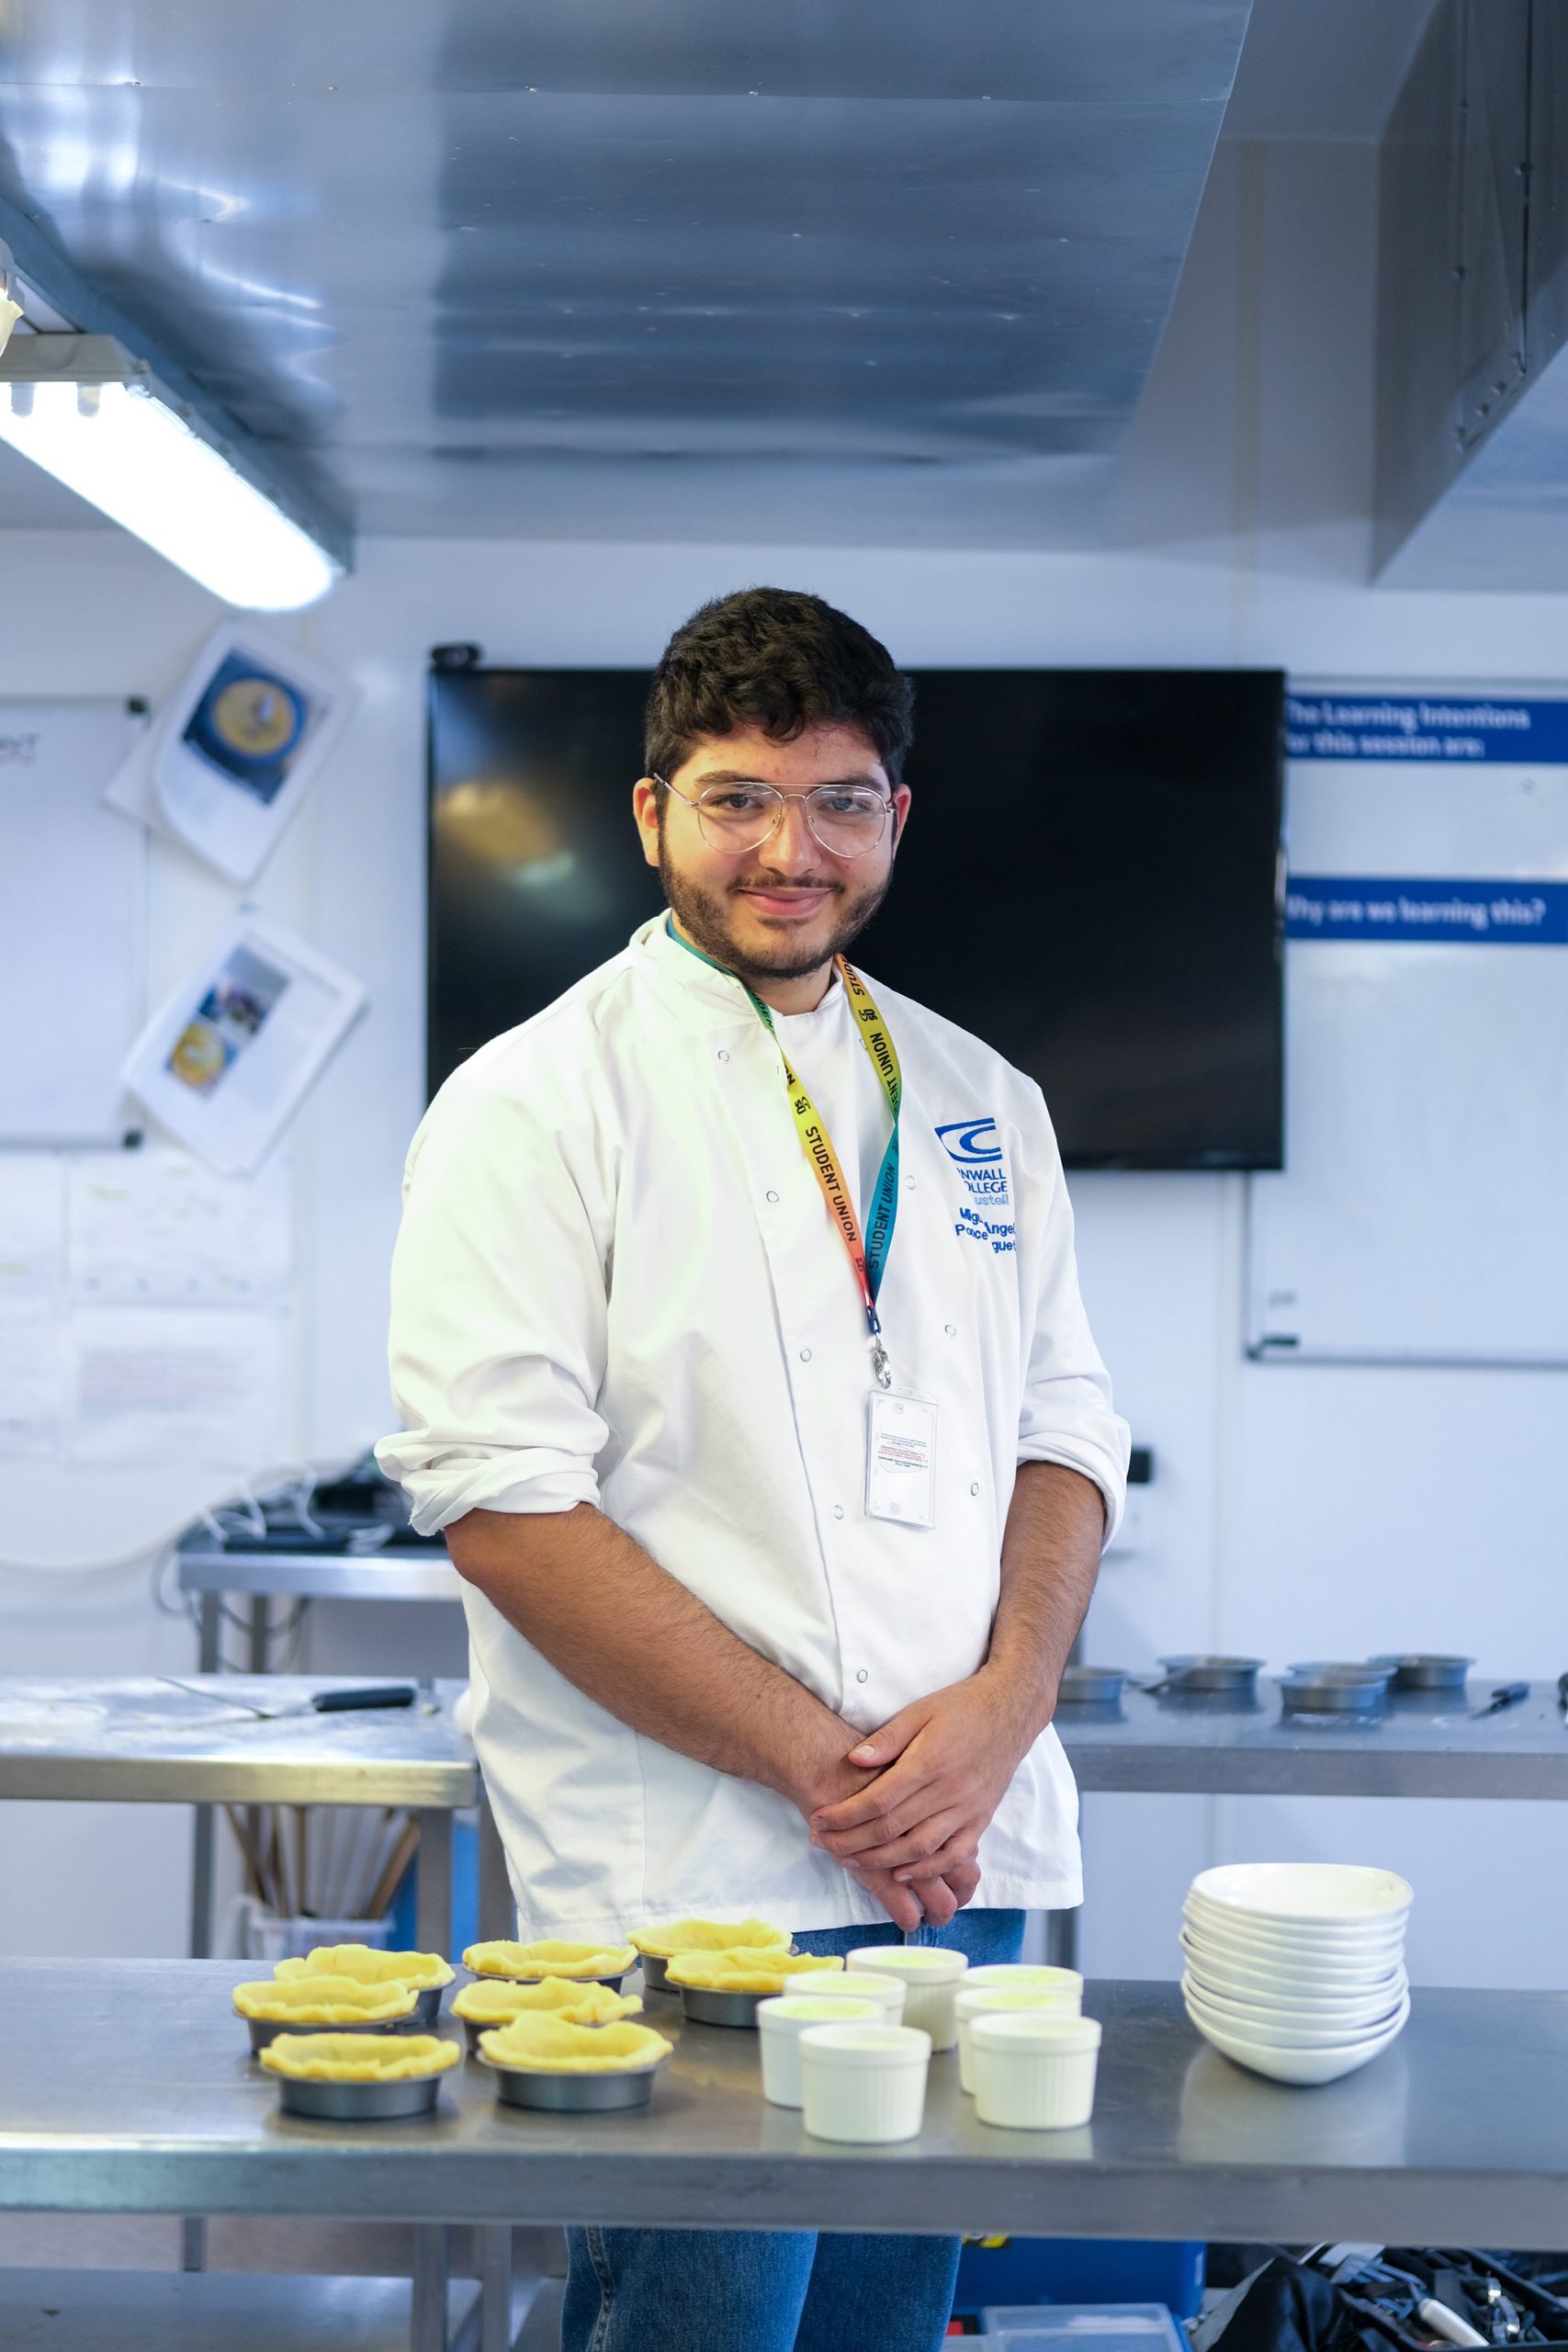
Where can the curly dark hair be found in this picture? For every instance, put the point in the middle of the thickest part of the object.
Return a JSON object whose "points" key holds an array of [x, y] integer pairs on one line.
{"points": [[781, 661]]}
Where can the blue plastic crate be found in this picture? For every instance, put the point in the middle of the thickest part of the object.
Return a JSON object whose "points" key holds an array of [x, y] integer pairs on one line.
{"points": [[1081, 2327], [1082, 2270]]}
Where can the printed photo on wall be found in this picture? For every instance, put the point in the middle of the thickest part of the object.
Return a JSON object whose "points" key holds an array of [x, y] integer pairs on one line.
{"points": [[229, 1017], [233, 753], [229, 1057]]}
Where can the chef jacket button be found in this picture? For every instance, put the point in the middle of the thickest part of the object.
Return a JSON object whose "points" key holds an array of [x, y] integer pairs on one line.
{"points": [[773, 1196], [908, 1184], [838, 1510], [722, 1055], [805, 1355], [951, 1330], [975, 1486], [862, 1675]]}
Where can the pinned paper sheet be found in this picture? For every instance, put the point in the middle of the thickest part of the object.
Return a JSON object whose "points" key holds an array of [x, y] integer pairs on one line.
{"points": [[158, 1227], [235, 749], [143, 1309], [227, 1059]]}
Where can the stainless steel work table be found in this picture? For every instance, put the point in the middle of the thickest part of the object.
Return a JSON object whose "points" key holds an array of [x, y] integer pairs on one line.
{"points": [[395, 1572], [143, 1741], [1209, 1747], [127, 2088]]}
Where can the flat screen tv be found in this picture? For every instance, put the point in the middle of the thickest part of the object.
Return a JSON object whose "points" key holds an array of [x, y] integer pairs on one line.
{"points": [[1090, 880]]}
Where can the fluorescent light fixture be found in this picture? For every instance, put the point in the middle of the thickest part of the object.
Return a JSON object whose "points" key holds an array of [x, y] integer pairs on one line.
{"points": [[82, 408]]}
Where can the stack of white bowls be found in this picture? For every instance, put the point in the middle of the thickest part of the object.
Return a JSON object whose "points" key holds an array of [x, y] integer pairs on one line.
{"points": [[1297, 1968]]}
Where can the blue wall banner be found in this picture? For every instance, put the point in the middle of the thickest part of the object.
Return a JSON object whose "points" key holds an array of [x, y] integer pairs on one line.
{"points": [[1489, 914], [1422, 727]]}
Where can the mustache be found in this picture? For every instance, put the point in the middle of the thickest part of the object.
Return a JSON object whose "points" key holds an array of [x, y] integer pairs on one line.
{"points": [[787, 882]]}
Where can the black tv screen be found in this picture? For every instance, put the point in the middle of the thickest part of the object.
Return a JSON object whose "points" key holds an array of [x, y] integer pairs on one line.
{"points": [[1090, 881]]}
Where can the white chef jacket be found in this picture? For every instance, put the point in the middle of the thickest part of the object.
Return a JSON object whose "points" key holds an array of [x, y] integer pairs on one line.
{"points": [[617, 1282]]}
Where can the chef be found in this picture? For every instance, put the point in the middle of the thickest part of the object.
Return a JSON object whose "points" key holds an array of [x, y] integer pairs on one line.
{"points": [[737, 1342]]}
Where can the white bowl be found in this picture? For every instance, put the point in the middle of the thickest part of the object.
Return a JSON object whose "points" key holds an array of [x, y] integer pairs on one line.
{"points": [[930, 1975], [782, 2019], [1293, 1950], [1337, 1948], [1303, 1893], [1301, 2065], [1281, 2034], [1273, 1935], [1301, 2009], [1306, 1980], [864, 2084], [1034, 2072], [973, 2001]]}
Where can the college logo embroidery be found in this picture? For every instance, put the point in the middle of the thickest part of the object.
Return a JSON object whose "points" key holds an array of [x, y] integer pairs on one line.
{"points": [[974, 1148]]}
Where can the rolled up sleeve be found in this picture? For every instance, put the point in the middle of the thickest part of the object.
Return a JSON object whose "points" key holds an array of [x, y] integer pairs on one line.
{"points": [[498, 1316], [1066, 1414]]}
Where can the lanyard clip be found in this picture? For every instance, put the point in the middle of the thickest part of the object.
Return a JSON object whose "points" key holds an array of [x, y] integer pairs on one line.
{"points": [[879, 1363]]}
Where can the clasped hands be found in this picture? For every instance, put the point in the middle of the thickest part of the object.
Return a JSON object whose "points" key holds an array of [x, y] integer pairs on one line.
{"points": [[909, 1804]]}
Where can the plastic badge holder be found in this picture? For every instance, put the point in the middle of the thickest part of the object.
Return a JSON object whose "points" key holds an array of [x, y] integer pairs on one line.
{"points": [[1081, 2327]]}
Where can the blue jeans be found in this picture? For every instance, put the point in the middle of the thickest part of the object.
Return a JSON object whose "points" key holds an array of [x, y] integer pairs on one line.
{"points": [[776, 2290]]}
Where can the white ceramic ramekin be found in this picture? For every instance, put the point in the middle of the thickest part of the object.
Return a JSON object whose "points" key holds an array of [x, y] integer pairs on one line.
{"points": [[930, 1976], [863, 2083], [1034, 2072], [781, 2022], [866, 1985], [974, 2001], [1028, 1976]]}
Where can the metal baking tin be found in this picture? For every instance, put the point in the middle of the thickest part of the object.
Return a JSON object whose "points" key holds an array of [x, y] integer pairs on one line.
{"points": [[358, 2102], [655, 1968], [265, 2030], [1236, 1677], [426, 2006], [1090, 1686], [708, 2006], [1422, 1670], [488, 1976], [572, 2094], [1334, 1689]]}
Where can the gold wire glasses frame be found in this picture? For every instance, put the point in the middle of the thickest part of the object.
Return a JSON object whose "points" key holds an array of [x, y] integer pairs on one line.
{"points": [[846, 820]]}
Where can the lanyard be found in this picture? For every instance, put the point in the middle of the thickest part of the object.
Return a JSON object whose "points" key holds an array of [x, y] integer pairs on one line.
{"points": [[868, 1258]]}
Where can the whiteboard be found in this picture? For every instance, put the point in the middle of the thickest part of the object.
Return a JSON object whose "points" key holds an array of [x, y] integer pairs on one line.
{"points": [[1423, 1213], [72, 895]]}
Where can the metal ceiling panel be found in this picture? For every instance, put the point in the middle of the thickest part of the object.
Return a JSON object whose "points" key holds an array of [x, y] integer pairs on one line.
{"points": [[486, 267]]}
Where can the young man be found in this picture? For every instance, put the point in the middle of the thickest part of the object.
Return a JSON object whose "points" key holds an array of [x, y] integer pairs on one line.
{"points": [[737, 1341]]}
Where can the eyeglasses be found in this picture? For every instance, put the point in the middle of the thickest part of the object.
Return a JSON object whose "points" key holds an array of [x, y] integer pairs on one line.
{"points": [[849, 820]]}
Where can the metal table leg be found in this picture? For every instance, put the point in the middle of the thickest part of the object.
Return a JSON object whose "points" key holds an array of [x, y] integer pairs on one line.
{"points": [[433, 1919], [432, 2272], [495, 2287], [498, 1913]]}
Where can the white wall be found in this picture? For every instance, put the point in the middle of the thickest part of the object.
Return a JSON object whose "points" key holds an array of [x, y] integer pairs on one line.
{"points": [[1298, 1509]]}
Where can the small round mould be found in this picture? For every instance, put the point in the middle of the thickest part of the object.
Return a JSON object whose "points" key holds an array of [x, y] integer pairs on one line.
{"points": [[1428, 1671], [1236, 1677], [1091, 1686], [265, 2030], [358, 2102], [655, 1970], [1334, 1689], [707, 2004], [574, 2094]]}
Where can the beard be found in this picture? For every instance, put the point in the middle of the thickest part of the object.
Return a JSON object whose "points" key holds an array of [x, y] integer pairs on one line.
{"points": [[705, 916]]}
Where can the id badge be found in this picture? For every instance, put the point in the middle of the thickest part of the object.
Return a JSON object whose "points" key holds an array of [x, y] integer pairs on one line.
{"points": [[900, 1457]]}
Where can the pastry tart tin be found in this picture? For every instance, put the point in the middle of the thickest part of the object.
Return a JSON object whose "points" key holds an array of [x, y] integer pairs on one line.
{"points": [[572, 2094], [265, 2030], [708, 2005], [655, 1968], [358, 2102]]}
